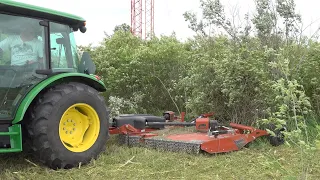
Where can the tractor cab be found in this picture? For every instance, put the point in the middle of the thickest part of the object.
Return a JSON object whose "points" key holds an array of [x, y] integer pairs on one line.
{"points": [[46, 89], [33, 48]]}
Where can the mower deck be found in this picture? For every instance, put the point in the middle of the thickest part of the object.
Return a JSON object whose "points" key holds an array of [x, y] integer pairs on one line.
{"points": [[160, 144], [201, 135]]}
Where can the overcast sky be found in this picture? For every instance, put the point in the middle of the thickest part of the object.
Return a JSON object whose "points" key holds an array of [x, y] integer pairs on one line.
{"points": [[105, 15]]}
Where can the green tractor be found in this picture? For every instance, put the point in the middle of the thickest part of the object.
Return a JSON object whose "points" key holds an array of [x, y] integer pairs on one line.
{"points": [[50, 100]]}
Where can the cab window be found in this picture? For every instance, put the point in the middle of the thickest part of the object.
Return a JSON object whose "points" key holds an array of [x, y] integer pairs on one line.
{"points": [[62, 44]]}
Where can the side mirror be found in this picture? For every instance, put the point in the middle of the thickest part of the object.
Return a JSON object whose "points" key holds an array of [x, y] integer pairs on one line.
{"points": [[86, 64], [83, 29]]}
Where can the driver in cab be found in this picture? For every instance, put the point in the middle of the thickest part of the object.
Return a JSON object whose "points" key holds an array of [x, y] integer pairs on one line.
{"points": [[25, 48]]}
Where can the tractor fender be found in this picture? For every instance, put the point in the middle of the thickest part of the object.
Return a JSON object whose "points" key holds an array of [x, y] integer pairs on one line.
{"points": [[90, 80]]}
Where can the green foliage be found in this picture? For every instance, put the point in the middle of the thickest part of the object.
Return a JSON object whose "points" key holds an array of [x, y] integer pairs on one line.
{"points": [[123, 27], [143, 73], [229, 80], [262, 71], [291, 107]]}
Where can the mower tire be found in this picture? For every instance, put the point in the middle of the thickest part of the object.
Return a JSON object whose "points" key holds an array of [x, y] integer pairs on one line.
{"points": [[279, 139], [68, 126]]}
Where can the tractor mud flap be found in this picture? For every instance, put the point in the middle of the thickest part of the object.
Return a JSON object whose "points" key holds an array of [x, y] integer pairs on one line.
{"points": [[160, 144]]}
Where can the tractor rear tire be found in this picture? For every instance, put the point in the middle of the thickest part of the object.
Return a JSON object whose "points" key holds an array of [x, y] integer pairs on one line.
{"points": [[68, 114]]}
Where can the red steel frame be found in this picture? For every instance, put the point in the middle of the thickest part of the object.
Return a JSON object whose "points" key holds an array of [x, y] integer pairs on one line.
{"points": [[211, 144], [142, 27], [136, 17], [224, 142], [149, 19]]}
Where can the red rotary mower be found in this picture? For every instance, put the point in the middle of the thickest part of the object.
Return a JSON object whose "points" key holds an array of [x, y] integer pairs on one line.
{"points": [[174, 134]]}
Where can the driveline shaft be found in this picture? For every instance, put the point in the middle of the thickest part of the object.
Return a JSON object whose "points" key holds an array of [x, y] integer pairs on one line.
{"points": [[171, 123]]}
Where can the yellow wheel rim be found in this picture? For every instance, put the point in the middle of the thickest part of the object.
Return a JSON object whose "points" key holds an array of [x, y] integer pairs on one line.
{"points": [[79, 127]]}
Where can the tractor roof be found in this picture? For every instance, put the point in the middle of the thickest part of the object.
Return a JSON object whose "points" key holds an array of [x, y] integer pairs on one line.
{"points": [[39, 12]]}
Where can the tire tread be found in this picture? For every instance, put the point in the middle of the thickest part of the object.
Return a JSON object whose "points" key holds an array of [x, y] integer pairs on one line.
{"points": [[39, 116]]}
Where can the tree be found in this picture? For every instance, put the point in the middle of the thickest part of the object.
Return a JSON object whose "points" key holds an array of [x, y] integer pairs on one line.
{"points": [[123, 27]]}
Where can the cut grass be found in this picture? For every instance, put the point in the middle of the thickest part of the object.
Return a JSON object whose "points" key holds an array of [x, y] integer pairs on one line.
{"points": [[259, 161]]}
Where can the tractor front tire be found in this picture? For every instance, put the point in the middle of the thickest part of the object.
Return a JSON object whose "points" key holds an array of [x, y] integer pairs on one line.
{"points": [[68, 125]]}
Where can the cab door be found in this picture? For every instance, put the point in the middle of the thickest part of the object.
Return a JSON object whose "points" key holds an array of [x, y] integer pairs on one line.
{"points": [[22, 51]]}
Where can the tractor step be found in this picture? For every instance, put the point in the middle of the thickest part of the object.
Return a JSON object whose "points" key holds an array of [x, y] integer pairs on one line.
{"points": [[11, 139]]}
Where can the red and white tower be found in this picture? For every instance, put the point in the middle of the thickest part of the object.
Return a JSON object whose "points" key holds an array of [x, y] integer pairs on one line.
{"points": [[142, 18]]}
